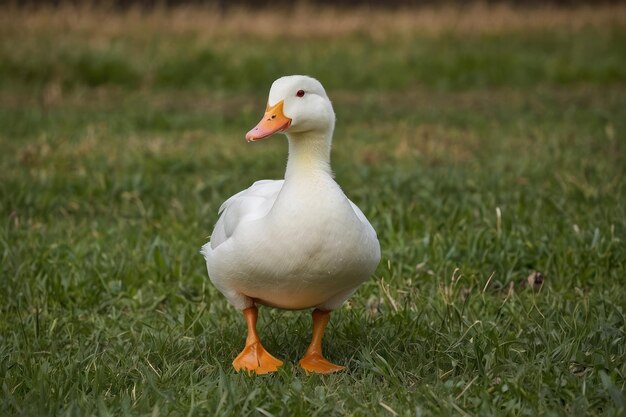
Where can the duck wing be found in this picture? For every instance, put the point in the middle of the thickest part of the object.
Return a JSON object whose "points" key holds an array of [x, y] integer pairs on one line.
{"points": [[370, 229], [250, 204]]}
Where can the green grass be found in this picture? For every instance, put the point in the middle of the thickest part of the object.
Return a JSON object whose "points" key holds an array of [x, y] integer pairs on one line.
{"points": [[445, 62], [116, 155]]}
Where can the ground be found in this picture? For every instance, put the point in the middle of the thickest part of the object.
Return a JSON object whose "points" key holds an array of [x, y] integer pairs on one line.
{"points": [[485, 144]]}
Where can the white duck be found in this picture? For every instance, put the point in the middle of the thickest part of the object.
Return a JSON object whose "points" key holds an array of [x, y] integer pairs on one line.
{"points": [[296, 243]]}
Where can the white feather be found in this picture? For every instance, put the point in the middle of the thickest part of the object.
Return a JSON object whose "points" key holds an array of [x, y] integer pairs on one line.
{"points": [[300, 242]]}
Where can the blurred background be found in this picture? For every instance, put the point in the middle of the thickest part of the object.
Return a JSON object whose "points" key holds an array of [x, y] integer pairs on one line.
{"points": [[484, 140], [265, 3]]}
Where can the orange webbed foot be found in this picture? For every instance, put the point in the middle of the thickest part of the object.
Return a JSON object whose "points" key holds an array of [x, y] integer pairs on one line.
{"points": [[254, 358], [316, 363], [313, 360]]}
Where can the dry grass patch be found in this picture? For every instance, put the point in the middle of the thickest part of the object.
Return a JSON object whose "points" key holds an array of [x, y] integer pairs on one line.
{"points": [[433, 144], [305, 21]]}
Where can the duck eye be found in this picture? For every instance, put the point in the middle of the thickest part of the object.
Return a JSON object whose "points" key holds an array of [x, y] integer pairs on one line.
{"points": [[300, 93]]}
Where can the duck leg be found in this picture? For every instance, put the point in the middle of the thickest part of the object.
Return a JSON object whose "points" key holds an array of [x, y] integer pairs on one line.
{"points": [[254, 357], [313, 360]]}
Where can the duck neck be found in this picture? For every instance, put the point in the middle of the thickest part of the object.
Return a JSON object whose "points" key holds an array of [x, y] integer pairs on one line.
{"points": [[309, 155]]}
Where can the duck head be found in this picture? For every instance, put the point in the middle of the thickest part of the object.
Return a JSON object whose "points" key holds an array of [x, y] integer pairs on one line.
{"points": [[296, 104]]}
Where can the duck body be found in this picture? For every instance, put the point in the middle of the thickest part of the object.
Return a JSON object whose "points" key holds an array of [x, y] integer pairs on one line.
{"points": [[292, 244], [295, 243]]}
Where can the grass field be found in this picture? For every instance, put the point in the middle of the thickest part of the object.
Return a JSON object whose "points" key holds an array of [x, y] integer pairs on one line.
{"points": [[484, 144]]}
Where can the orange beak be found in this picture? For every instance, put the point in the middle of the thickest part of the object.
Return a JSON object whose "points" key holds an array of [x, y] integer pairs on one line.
{"points": [[273, 121]]}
